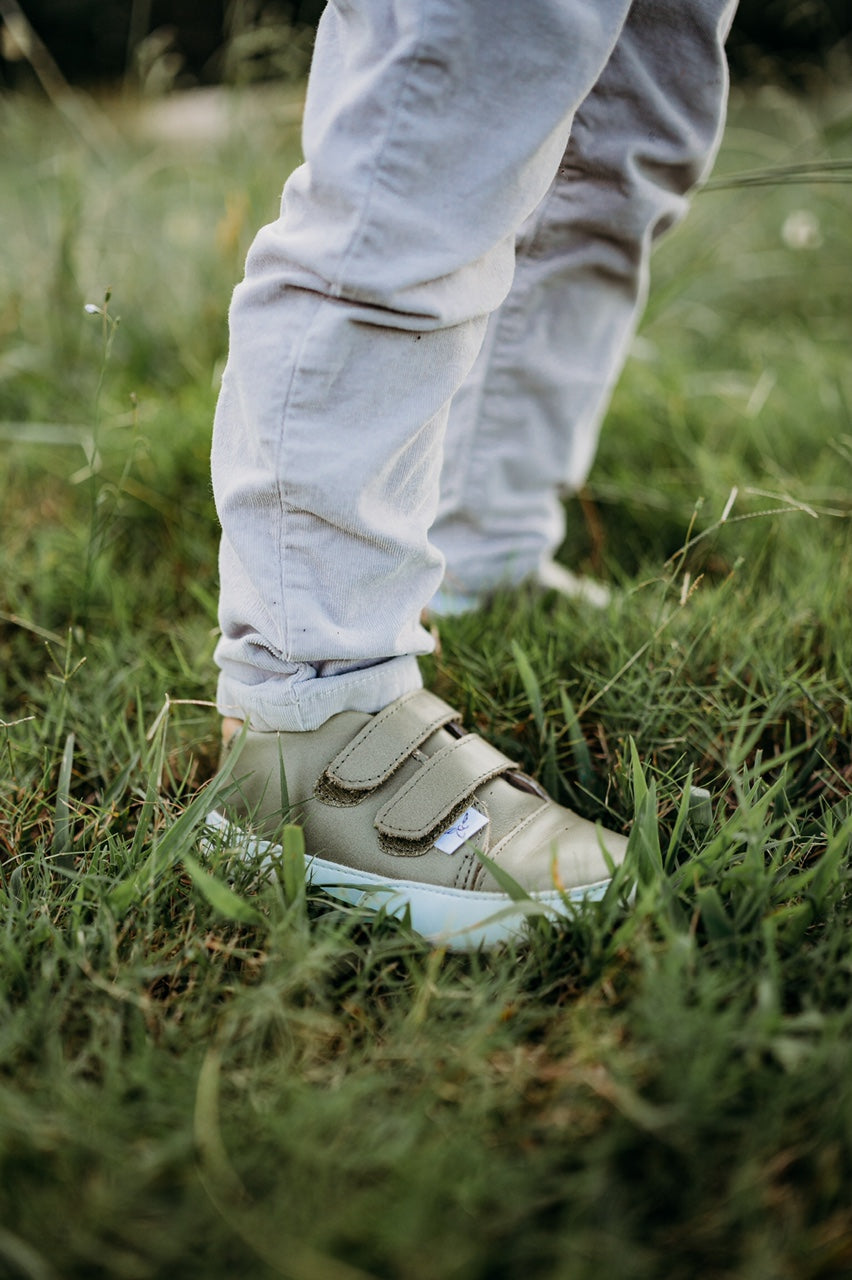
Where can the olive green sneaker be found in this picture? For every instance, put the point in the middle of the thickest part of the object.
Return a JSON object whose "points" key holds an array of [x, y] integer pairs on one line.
{"points": [[397, 809]]}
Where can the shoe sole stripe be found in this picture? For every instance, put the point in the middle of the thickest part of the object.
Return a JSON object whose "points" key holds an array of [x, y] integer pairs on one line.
{"points": [[458, 919]]}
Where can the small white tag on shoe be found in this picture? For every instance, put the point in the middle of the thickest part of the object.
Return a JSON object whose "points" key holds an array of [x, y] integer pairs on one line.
{"points": [[466, 826]]}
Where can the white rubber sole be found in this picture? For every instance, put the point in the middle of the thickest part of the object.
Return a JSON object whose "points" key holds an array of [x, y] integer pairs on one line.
{"points": [[458, 919]]}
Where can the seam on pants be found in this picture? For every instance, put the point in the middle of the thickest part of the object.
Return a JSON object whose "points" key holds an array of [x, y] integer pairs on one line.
{"points": [[358, 233], [336, 289], [280, 484]]}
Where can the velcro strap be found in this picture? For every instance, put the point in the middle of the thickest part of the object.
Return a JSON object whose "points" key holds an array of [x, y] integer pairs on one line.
{"points": [[439, 792], [380, 748]]}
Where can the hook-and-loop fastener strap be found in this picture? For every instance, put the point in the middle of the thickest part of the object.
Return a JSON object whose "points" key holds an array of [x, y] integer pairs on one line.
{"points": [[438, 794], [376, 753]]}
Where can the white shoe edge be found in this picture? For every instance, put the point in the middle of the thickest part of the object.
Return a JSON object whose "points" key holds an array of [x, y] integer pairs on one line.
{"points": [[457, 919], [553, 576], [549, 576]]}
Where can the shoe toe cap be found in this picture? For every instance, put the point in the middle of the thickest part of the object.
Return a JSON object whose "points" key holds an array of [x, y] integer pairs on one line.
{"points": [[555, 849]]}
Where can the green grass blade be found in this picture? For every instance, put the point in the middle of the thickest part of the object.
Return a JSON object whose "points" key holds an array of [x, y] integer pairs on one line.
{"points": [[175, 841], [293, 863], [61, 843], [507, 883], [222, 898], [579, 750], [530, 682]]}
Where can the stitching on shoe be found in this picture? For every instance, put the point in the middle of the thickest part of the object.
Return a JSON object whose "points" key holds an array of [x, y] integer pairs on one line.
{"points": [[415, 848], [401, 756], [378, 722], [394, 832], [463, 878], [329, 783], [521, 826], [510, 835]]}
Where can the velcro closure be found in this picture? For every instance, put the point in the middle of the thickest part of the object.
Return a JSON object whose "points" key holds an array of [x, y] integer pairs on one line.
{"points": [[380, 748], [439, 793]]}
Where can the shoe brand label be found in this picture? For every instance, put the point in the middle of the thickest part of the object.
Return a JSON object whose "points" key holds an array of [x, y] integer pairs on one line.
{"points": [[467, 825]]}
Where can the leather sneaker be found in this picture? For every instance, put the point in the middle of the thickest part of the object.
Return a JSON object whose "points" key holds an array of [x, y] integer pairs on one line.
{"points": [[397, 808]]}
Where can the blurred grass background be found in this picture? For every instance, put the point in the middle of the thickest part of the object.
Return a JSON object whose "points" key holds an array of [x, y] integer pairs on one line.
{"points": [[204, 1083]]}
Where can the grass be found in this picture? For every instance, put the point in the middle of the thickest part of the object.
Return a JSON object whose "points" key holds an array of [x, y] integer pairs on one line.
{"points": [[204, 1077]]}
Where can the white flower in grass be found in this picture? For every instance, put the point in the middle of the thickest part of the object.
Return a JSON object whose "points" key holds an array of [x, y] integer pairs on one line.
{"points": [[801, 230]]}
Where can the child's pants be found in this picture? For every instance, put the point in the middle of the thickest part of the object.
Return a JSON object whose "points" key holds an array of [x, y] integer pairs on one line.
{"points": [[483, 181]]}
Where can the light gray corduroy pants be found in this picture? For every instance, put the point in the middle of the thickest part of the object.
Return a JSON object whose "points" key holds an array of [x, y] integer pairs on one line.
{"points": [[426, 338]]}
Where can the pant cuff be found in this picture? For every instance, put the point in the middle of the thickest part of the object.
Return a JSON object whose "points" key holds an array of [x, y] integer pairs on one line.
{"points": [[286, 706]]}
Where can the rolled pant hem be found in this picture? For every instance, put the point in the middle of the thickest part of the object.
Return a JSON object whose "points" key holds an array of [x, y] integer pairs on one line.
{"points": [[282, 706]]}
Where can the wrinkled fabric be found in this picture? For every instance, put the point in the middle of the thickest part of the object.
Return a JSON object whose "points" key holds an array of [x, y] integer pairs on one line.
{"points": [[425, 339]]}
